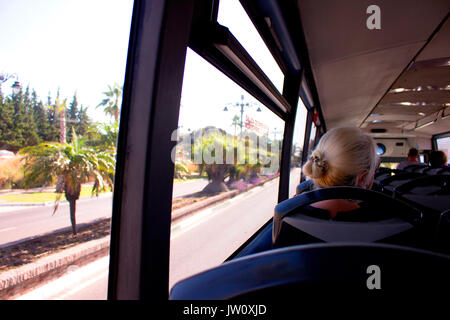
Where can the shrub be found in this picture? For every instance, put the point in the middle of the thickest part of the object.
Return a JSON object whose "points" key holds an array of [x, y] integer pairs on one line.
{"points": [[11, 173]]}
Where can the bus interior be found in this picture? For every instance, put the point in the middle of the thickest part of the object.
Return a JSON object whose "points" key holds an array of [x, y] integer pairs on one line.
{"points": [[384, 69]]}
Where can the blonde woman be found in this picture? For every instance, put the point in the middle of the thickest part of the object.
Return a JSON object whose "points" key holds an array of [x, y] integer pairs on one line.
{"points": [[344, 156]]}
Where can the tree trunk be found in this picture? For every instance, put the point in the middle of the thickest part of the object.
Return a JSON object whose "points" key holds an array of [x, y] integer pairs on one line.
{"points": [[216, 173], [62, 126], [72, 204], [215, 186], [72, 195]]}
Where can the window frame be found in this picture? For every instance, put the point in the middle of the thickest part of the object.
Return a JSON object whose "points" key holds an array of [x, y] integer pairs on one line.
{"points": [[435, 137], [161, 32], [140, 228]]}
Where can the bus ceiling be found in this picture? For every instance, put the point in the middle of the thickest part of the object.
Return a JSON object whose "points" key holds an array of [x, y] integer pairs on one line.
{"points": [[394, 79]]}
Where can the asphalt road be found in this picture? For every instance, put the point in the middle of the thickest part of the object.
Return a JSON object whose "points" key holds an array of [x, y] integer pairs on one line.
{"points": [[188, 187], [200, 242], [24, 223]]}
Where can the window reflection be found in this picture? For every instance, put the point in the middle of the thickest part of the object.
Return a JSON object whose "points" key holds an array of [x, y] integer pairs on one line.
{"points": [[312, 137], [228, 150], [297, 147]]}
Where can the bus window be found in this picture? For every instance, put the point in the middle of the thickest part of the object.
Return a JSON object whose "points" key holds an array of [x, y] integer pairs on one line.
{"points": [[233, 16], [443, 144], [58, 131], [312, 137], [297, 146], [226, 169]]}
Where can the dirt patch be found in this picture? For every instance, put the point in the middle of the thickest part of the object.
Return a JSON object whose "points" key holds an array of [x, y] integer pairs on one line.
{"points": [[29, 251]]}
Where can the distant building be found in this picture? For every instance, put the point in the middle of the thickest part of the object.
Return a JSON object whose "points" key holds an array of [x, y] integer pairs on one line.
{"points": [[5, 154]]}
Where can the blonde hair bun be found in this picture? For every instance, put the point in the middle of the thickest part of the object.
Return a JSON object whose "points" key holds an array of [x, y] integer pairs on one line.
{"points": [[341, 154], [316, 166]]}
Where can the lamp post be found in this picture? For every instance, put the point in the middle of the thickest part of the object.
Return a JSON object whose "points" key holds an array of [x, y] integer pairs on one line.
{"points": [[275, 133], [16, 86], [242, 104]]}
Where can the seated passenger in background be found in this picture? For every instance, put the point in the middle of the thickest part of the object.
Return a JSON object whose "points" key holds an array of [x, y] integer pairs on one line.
{"points": [[438, 159], [413, 158], [344, 156]]}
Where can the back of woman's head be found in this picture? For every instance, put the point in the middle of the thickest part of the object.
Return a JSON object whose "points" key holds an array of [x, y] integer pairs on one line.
{"points": [[340, 156]]}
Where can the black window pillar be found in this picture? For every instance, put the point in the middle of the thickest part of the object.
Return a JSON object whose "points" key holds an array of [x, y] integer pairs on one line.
{"points": [[309, 120], [140, 233], [290, 92]]}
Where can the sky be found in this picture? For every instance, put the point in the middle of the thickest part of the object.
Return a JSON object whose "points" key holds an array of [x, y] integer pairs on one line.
{"points": [[74, 45], [81, 46]]}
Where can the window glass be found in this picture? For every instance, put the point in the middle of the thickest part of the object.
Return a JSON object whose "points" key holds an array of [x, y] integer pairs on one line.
{"points": [[58, 134], [312, 137], [443, 144], [226, 169], [390, 165], [297, 147], [233, 16]]}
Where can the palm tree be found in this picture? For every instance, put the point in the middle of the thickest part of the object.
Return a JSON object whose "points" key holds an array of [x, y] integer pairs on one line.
{"points": [[112, 101], [216, 168], [236, 122], [60, 109], [75, 163]]}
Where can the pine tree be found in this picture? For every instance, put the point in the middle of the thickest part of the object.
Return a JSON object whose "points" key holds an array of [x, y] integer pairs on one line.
{"points": [[30, 133], [6, 122], [83, 121], [53, 130], [20, 129], [40, 118], [72, 117]]}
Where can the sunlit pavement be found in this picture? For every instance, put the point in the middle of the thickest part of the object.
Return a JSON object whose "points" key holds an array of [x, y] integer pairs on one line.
{"points": [[74, 282]]}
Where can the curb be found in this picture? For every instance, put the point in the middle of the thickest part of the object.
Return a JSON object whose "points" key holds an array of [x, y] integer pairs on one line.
{"points": [[17, 281], [28, 204]]}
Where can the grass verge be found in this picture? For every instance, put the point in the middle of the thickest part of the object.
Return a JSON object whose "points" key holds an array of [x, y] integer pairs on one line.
{"points": [[37, 197]]}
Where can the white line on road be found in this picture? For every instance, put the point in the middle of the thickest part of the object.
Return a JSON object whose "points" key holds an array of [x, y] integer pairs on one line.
{"points": [[7, 229], [84, 285], [204, 215]]}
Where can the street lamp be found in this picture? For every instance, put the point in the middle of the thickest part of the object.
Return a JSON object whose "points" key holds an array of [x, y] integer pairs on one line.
{"points": [[16, 86], [242, 105]]}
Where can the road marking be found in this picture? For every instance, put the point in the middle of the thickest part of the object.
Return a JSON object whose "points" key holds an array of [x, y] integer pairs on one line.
{"points": [[7, 229], [84, 285], [242, 195], [203, 216]]}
